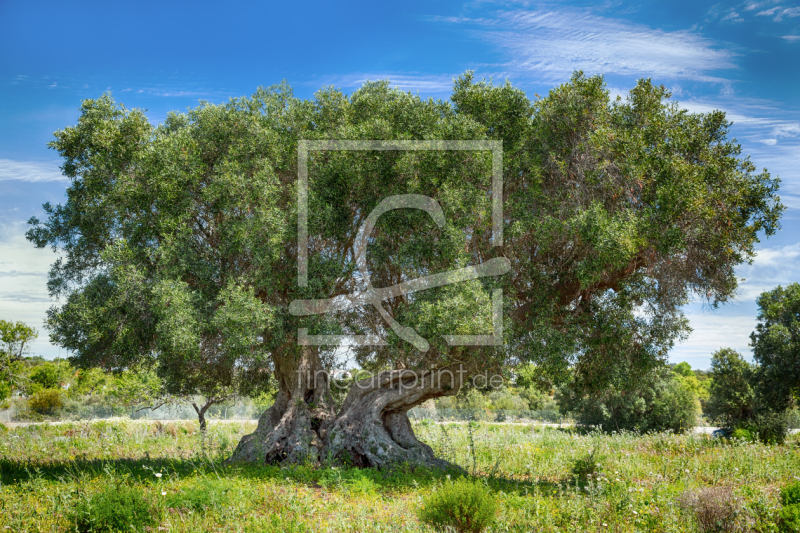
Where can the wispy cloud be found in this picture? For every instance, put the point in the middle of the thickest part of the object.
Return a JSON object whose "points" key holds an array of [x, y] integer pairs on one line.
{"points": [[778, 12], [772, 267], [20, 274], [409, 81], [32, 171], [791, 38], [557, 42]]}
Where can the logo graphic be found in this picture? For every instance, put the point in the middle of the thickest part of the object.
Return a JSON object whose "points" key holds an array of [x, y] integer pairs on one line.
{"points": [[375, 297]]}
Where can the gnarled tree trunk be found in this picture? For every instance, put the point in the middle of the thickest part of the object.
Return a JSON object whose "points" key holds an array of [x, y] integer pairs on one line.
{"points": [[371, 429], [290, 430]]}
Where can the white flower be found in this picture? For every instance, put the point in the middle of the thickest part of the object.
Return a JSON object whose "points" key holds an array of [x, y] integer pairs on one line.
{"points": [[605, 525], [635, 513], [158, 474], [163, 493]]}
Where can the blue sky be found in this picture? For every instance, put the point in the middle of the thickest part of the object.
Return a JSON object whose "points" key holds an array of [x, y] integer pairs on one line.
{"points": [[741, 57]]}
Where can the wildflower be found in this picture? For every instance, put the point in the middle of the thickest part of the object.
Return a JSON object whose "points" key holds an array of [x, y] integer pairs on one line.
{"points": [[163, 493], [158, 474], [634, 512], [605, 525]]}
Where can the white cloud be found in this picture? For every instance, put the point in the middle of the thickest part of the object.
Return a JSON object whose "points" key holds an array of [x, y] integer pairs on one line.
{"points": [[750, 6], [791, 38], [769, 142], [32, 171], [555, 43], [23, 283], [409, 81], [730, 326], [780, 12], [733, 16], [712, 331], [771, 267]]}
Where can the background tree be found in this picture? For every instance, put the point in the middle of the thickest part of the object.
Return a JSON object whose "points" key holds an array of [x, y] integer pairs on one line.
{"points": [[776, 347], [657, 403], [732, 393], [180, 245], [15, 340]]}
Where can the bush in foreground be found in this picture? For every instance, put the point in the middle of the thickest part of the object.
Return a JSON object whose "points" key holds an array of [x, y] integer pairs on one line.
{"points": [[464, 505], [117, 508], [716, 509], [789, 517]]}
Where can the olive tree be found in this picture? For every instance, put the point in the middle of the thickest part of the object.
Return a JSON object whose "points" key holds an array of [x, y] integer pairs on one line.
{"points": [[182, 251]]}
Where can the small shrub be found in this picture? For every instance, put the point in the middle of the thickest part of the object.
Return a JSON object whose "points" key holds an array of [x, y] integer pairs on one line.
{"points": [[45, 402], [742, 434], [117, 508], [586, 468], [790, 494], [464, 505], [716, 509], [3, 429], [771, 427], [789, 518]]}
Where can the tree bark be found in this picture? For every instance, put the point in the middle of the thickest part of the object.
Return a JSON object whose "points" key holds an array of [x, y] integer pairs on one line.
{"points": [[201, 414], [291, 430], [371, 429]]}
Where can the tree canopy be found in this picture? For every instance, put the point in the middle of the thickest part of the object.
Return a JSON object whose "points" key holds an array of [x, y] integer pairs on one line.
{"points": [[180, 243], [776, 346]]}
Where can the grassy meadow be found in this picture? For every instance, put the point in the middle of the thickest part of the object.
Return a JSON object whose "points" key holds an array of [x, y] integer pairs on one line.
{"points": [[48, 470]]}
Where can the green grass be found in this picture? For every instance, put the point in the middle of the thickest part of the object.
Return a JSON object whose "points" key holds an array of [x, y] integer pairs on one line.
{"points": [[47, 470]]}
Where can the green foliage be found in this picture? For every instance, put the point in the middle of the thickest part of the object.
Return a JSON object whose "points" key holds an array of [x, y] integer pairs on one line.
{"points": [[46, 376], [15, 340], [135, 388], [683, 369], [776, 347], [5, 390], [463, 505], [115, 509], [732, 395], [92, 381], [658, 403], [790, 494], [179, 241], [789, 518], [742, 434], [46, 402], [770, 426]]}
